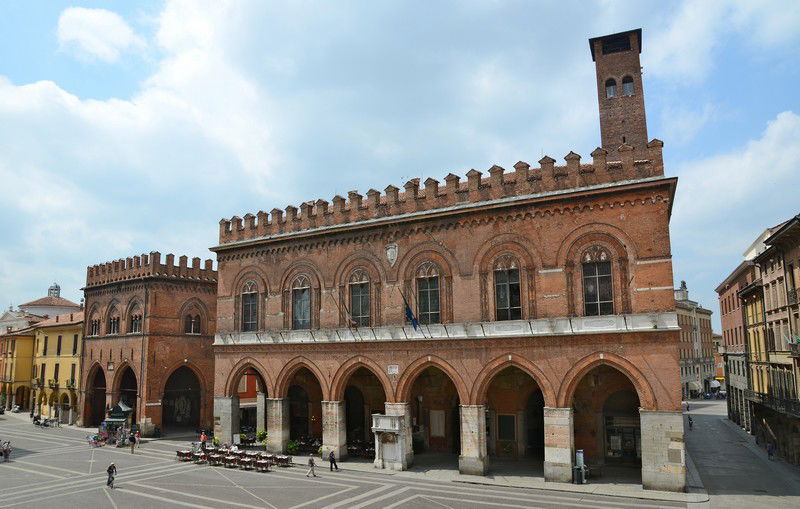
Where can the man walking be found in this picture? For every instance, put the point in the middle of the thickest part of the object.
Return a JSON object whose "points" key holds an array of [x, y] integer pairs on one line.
{"points": [[6, 450], [138, 439], [332, 460], [203, 439], [112, 472], [132, 440], [770, 451], [311, 465]]}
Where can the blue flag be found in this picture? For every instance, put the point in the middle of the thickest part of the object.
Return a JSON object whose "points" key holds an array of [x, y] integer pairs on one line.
{"points": [[409, 314]]}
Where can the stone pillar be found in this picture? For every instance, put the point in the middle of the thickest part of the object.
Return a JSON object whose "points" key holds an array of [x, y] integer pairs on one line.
{"points": [[663, 460], [522, 434], [277, 424], [226, 418], [334, 429], [473, 459], [559, 444], [71, 415], [13, 400], [404, 409], [261, 411]]}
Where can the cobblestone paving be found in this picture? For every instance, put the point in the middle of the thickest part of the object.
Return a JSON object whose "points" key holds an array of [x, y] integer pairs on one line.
{"points": [[57, 468]]}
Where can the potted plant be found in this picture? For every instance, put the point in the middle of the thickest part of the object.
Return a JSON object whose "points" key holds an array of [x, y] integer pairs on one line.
{"points": [[292, 446], [261, 438]]}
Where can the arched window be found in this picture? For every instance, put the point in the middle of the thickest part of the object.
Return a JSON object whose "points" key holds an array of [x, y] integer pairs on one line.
{"points": [[506, 289], [249, 307], [301, 303], [192, 324], [135, 320], [598, 295], [627, 86], [113, 321], [94, 326], [611, 88], [428, 301], [359, 298]]}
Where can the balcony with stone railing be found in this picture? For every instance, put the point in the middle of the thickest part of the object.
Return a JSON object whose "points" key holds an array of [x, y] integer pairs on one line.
{"points": [[53, 384]]}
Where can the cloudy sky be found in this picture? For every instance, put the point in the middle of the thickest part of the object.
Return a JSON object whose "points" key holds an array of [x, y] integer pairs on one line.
{"points": [[129, 127]]}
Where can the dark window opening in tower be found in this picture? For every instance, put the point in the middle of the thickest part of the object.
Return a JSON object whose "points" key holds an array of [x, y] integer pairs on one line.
{"points": [[611, 88], [627, 86], [616, 44]]}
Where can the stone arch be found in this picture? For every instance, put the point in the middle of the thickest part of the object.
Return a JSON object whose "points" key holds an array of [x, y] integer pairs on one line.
{"points": [[113, 306], [616, 238], [248, 273], [118, 372], [427, 251], [94, 313], [522, 247], [620, 256], [647, 397], [242, 366], [497, 365], [195, 306], [527, 259], [364, 258], [259, 279], [303, 267], [349, 367], [193, 367], [284, 378], [412, 371], [442, 260], [364, 261], [134, 301]]}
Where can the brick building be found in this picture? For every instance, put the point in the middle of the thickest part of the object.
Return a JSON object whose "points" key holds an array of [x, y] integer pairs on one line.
{"points": [[544, 299], [696, 346], [147, 341], [774, 353]]}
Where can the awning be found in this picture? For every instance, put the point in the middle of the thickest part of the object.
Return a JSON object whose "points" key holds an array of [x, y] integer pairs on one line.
{"points": [[713, 384], [114, 420], [695, 386]]}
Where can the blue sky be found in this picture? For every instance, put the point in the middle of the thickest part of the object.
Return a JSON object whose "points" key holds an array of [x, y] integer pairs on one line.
{"points": [[129, 127]]}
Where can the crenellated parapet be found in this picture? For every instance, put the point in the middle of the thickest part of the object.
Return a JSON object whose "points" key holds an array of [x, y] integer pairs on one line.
{"points": [[150, 265], [416, 196]]}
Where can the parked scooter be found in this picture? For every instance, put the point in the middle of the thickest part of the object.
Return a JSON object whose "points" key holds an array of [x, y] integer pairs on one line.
{"points": [[15, 409]]}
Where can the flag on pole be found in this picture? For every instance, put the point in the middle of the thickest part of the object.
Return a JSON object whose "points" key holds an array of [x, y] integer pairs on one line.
{"points": [[409, 314]]}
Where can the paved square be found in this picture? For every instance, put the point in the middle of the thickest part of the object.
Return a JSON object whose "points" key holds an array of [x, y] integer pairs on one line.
{"points": [[57, 468]]}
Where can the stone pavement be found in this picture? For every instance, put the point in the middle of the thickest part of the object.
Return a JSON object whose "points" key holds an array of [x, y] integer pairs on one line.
{"points": [[732, 468], [56, 467]]}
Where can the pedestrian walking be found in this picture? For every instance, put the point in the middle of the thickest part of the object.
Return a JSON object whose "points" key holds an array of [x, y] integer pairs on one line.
{"points": [[691, 423], [132, 440], [687, 406], [203, 439], [311, 465], [770, 451], [138, 439], [332, 460], [112, 472], [6, 450]]}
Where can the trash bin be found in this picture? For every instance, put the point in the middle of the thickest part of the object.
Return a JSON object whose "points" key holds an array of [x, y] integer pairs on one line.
{"points": [[578, 475]]}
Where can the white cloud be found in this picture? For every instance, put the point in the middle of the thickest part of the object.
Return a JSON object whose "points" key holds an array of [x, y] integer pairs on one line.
{"points": [[686, 47], [711, 190], [95, 34], [681, 124]]}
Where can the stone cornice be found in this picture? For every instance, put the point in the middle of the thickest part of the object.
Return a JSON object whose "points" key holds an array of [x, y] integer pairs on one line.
{"points": [[566, 326]]}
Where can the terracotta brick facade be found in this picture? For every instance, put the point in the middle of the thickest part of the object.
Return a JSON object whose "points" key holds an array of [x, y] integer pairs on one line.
{"points": [[535, 384], [165, 317]]}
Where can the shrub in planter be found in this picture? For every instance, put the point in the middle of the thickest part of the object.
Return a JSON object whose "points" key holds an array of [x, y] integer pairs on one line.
{"points": [[292, 446], [261, 436]]}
